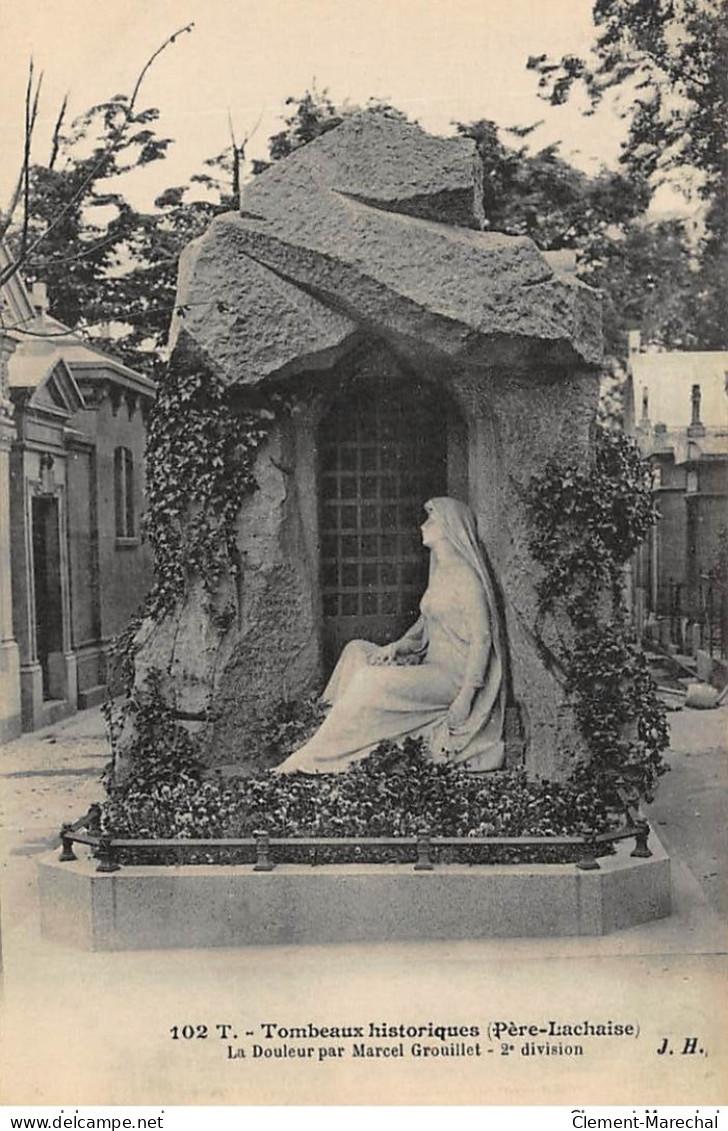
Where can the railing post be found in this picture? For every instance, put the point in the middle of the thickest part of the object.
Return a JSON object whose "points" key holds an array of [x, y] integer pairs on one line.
{"points": [[106, 855], [67, 852], [263, 862], [641, 835], [424, 854], [588, 861], [93, 819]]}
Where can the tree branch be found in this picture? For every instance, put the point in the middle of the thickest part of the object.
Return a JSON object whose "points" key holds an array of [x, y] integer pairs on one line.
{"points": [[128, 317], [31, 115], [112, 143], [238, 153], [56, 139], [29, 119], [170, 40]]}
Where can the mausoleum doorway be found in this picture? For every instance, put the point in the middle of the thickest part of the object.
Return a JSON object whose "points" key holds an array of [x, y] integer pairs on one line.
{"points": [[47, 588], [383, 451]]}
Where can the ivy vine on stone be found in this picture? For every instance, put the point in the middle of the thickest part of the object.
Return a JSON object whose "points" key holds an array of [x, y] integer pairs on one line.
{"points": [[586, 525], [202, 444]]}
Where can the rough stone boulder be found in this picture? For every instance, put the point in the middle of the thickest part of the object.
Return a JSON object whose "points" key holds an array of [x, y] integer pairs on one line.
{"points": [[341, 235]]}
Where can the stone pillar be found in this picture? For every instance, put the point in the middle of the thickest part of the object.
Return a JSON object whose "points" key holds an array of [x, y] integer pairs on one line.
{"points": [[696, 426], [10, 725]]}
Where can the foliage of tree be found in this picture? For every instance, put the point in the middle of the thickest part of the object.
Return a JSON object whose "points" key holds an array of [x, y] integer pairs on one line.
{"points": [[647, 277], [665, 61], [313, 114], [105, 261], [124, 128], [78, 224], [708, 296], [542, 196]]}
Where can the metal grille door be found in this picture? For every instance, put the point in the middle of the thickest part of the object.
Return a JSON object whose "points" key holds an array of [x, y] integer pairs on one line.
{"points": [[383, 453]]}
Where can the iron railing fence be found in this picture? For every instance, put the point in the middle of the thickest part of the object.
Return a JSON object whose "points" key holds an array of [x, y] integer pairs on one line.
{"points": [[264, 852], [697, 620], [713, 613]]}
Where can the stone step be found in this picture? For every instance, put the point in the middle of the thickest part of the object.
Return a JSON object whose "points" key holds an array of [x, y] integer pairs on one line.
{"points": [[676, 668]]}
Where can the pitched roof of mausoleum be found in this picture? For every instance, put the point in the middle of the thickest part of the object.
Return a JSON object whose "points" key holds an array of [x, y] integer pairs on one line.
{"points": [[41, 341]]}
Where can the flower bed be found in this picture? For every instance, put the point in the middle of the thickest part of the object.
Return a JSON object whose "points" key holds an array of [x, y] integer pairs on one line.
{"points": [[395, 792]]}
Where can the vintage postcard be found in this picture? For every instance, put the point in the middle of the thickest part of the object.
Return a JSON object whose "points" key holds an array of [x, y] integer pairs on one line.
{"points": [[393, 332]]}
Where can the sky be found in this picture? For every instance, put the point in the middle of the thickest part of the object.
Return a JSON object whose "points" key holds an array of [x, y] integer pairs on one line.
{"points": [[438, 60]]}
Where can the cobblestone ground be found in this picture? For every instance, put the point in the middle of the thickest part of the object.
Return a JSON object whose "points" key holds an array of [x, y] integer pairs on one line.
{"points": [[47, 777], [689, 813]]}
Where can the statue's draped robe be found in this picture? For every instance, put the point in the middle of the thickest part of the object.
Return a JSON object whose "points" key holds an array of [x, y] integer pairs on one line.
{"points": [[371, 703]]}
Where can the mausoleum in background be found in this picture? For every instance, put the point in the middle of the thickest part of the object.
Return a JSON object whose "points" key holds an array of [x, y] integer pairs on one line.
{"points": [[677, 409], [74, 569]]}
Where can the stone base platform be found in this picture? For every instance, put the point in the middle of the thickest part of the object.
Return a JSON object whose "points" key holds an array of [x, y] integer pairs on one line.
{"points": [[146, 908]]}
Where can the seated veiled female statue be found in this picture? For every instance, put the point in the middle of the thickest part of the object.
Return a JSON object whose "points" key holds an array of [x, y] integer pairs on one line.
{"points": [[442, 681]]}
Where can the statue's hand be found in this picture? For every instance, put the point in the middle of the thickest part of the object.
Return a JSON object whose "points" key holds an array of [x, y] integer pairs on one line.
{"points": [[387, 654], [459, 711]]}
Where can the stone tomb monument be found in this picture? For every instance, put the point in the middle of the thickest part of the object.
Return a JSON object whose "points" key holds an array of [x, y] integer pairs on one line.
{"points": [[424, 357]]}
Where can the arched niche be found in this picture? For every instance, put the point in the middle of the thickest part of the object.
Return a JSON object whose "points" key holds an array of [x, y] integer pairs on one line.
{"points": [[386, 442]]}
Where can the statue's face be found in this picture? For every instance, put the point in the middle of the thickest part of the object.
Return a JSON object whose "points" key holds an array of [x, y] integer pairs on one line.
{"points": [[431, 528]]}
